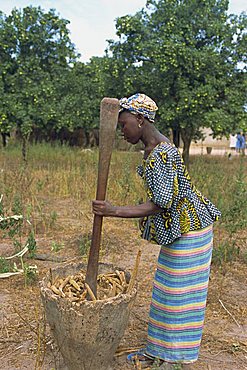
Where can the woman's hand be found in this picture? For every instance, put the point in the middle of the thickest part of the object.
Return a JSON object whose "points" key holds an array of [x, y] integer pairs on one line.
{"points": [[103, 208], [140, 222]]}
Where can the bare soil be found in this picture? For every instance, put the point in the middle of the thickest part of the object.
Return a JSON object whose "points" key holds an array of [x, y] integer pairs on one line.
{"points": [[25, 341]]}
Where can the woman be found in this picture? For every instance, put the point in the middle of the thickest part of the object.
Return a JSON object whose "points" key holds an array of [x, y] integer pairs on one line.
{"points": [[179, 218], [239, 142], [233, 141], [243, 143]]}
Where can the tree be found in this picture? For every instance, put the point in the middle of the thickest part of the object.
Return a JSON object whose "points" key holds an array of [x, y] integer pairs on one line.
{"points": [[81, 90], [37, 51], [6, 67], [189, 56]]}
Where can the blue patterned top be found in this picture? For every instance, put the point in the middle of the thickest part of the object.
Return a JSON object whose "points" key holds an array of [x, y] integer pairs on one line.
{"points": [[169, 186]]}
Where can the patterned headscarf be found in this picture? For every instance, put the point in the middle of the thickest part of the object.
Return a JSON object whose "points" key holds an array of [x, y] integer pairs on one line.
{"points": [[139, 103]]}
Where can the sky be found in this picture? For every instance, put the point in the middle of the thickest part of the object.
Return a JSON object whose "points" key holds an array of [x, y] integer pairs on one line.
{"points": [[92, 22]]}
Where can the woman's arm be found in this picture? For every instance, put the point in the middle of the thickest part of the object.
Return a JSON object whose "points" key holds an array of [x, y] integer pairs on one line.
{"points": [[104, 208]]}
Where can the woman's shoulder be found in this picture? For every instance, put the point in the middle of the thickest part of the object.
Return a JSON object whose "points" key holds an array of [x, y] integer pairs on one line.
{"points": [[163, 154], [164, 147]]}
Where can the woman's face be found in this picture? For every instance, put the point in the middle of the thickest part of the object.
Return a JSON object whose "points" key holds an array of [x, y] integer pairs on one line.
{"points": [[129, 124]]}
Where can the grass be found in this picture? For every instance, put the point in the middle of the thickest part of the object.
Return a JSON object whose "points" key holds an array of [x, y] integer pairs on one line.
{"points": [[5, 266], [61, 172], [64, 171], [56, 247]]}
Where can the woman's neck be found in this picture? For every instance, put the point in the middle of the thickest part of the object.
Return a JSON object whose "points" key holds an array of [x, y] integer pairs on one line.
{"points": [[151, 138]]}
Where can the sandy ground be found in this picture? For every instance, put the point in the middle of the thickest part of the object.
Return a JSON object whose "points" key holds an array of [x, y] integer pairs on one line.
{"points": [[25, 341], [218, 151]]}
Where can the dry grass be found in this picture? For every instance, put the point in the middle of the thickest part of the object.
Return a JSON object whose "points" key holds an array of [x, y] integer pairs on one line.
{"points": [[55, 191], [65, 173]]}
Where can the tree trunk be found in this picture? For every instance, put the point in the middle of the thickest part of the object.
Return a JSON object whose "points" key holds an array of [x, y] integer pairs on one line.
{"points": [[176, 137], [24, 148], [187, 138], [3, 140]]}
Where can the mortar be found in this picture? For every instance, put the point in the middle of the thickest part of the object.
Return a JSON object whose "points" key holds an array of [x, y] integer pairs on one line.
{"points": [[87, 336]]}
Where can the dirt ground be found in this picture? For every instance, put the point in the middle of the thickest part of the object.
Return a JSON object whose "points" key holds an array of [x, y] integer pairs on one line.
{"points": [[25, 341]]}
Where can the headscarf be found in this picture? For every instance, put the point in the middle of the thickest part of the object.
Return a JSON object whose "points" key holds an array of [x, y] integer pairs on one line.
{"points": [[139, 103]]}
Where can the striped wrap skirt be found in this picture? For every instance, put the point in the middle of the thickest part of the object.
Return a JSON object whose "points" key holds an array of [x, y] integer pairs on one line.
{"points": [[179, 297]]}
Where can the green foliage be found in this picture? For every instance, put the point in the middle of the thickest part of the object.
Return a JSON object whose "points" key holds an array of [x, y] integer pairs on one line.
{"points": [[5, 265], [30, 273], [17, 207], [80, 91], [187, 56], [56, 247], [190, 56], [31, 244], [35, 51], [177, 367], [11, 224], [163, 366], [43, 87]]}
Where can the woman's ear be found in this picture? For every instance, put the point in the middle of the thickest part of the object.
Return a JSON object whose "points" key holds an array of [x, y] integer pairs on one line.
{"points": [[140, 119]]}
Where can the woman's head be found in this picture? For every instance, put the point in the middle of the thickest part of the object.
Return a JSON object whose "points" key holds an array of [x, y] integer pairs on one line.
{"points": [[131, 126], [139, 104], [134, 112]]}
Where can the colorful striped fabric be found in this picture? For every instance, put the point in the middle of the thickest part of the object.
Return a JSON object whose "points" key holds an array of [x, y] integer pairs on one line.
{"points": [[179, 297]]}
